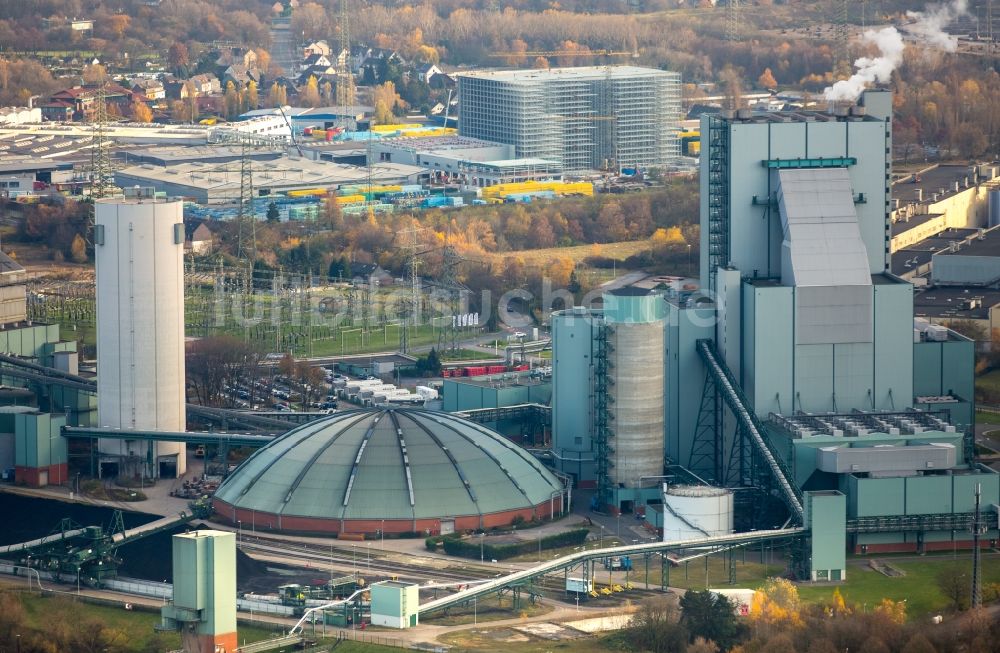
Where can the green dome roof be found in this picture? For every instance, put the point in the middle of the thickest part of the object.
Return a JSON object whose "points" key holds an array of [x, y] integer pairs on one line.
{"points": [[391, 463]]}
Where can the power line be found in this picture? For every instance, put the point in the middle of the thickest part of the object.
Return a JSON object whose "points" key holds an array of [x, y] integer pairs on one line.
{"points": [[102, 175], [345, 78], [733, 20]]}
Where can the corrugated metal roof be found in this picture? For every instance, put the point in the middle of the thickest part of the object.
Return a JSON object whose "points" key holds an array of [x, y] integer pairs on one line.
{"points": [[395, 463], [822, 240]]}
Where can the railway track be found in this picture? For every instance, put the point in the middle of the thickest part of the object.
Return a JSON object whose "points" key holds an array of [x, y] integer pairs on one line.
{"points": [[358, 560]]}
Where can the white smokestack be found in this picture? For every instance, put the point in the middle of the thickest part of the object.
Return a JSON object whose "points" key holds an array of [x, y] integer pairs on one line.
{"points": [[927, 28]]}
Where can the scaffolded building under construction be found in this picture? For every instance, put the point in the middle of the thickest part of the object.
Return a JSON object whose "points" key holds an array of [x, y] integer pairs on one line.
{"points": [[600, 117]]}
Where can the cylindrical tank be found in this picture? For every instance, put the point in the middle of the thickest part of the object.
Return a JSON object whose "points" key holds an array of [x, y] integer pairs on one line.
{"points": [[572, 392], [139, 249], [695, 511], [634, 319], [994, 218]]}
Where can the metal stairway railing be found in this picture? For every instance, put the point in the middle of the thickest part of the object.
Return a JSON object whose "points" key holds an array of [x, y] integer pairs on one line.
{"points": [[737, 402]]}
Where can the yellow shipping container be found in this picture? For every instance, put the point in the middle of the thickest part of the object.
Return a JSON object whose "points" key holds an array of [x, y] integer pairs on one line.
{"points": [[382, 129], [557, 187], [307, 192]]}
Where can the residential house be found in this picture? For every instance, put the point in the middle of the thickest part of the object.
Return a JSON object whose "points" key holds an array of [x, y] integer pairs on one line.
{"points": [[371, 273], [200, 239], [240, 76], [315, 60], [58, 111], [371, 69], [82, 101], [424, 72], [206, 84], [317, 47], [441, 81], [236, 56], [175, 88], [150, 89]]}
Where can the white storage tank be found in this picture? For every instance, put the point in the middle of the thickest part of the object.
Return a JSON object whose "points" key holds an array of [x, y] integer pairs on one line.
{"points": [[695, 511], [139, 249]]}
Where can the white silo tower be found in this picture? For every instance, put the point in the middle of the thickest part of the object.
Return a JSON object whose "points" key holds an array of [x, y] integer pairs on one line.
{"points": [[139, 251]]}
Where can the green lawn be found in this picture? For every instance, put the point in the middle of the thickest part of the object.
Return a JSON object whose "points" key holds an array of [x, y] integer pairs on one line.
{"points": [[136, 624], [464, 355], [488, 608], [918, 587], [987, 418]]}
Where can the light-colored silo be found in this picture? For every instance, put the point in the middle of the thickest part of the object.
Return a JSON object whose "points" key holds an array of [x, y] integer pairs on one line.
{"points": [[139, 250], [635, 328], [695, 511]]}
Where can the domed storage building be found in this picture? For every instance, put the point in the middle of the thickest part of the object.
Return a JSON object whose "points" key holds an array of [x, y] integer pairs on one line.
{"points": [[404, 470]]}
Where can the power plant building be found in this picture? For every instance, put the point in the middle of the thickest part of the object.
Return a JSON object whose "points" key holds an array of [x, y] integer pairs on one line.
{"points": [[794, 375], [139, 249], [584, 118]]}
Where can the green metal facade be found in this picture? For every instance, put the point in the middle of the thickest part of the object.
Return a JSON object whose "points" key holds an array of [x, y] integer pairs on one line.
{"points": [[38, 441], [826, 517], [685, 375], [781, 376], [204, 564], [942, 368], [573, 334], [461, 395]]}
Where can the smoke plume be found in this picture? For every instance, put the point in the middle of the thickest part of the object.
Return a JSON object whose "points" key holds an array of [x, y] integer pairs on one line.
{"points": [[929, 25], [870, 69], [927, 28]]}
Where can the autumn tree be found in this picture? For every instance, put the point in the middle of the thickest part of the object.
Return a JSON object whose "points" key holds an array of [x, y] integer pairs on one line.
{"points": [[386, 101], [766, 79], [252, 96], [78, 249], [332, 216], [141, 112], [216, 362], [276, 96], [918, 643], [775, 605], [178, 57], [309, 96], [94, 73], [232, 101], [541, 63], [310, 20]]}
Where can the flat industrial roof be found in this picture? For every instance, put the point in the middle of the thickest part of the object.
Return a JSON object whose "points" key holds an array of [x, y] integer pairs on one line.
{"points": [[286, 171], [902, 226], [939, 179], [173, 154], [986, 243], [949, 302], [920, 253], [576, 72], [430, 143]]}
